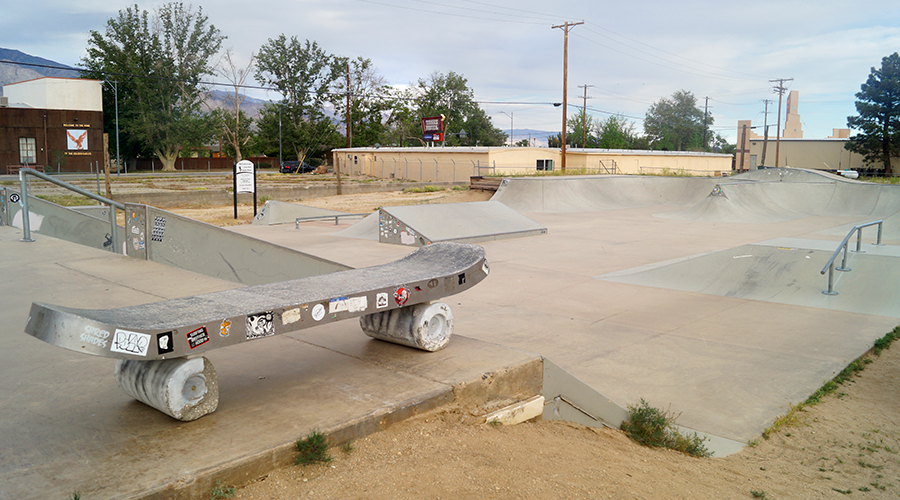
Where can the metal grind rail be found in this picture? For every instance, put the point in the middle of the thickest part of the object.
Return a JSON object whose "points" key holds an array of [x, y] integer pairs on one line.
{"points": [[26, 222], [829, 267], [314, 218]]}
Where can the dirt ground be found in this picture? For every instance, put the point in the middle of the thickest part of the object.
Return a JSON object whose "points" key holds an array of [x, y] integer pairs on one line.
{"points": [[846, 446]]}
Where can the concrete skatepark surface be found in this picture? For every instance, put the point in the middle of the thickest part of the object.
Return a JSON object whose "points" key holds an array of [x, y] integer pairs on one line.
{"points": [[632, 299]]}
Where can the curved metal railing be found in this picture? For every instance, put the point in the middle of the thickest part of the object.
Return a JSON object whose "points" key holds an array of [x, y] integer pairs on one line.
{"points": [[829, 267]]}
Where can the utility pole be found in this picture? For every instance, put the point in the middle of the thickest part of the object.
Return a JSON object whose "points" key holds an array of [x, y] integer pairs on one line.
{"points": [[565, 28], [780, 91], [584, 115], [765, 130], [349, 141], [705, 114]]}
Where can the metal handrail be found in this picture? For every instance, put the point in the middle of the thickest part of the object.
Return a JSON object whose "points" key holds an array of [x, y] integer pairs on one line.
{"points": [[26, 219], [843, 246], [298, 220]]}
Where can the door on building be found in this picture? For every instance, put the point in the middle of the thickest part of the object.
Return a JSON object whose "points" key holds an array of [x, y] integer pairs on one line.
{"points": [[752, 162]]}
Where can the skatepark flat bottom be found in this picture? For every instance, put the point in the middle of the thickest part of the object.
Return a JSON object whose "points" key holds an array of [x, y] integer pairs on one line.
{"points": [[67, 427]]}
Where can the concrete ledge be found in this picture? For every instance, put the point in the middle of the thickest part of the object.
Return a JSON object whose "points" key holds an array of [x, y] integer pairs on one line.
{"points": [[247, 469]]}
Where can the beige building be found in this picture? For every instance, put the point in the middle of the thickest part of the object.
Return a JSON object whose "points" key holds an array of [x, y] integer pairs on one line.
{"points": [[754, 150], [460, 163]]}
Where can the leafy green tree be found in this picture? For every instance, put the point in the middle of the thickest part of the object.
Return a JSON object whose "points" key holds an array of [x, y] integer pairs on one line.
{"points": [[449, 95], [159, 107], [676, 123], [615, 133], [304, 74], [581, 129], [878, 122]]}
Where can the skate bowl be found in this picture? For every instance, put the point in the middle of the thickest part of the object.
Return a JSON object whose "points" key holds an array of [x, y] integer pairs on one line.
{"points": [[599, 193], [778, 195]]}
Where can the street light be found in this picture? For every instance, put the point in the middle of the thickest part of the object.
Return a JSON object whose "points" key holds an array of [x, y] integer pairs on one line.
{"points": [[118, 158], [510, 115]]}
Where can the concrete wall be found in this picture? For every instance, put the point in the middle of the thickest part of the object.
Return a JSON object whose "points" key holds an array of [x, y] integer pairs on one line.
{"points": [[460, 163], [56, 93]]}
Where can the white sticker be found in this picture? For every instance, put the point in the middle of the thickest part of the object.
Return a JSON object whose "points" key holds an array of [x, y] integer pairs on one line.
{"points": [[381, 300], [130, 342], [290, 316], [318, 312], [94, 335], [349, 304], [406, 238], [485, 268]]}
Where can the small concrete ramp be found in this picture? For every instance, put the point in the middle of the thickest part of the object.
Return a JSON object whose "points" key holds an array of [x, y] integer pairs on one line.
{"points": [[366, 229], [472, 222], [600, 193], [782, 271], [280, 212]]}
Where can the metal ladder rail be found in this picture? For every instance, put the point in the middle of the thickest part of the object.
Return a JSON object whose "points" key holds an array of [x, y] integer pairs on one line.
{"points": [[26, 219], [829, 267]]}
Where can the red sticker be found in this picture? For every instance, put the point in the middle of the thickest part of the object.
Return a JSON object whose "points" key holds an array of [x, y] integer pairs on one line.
{"points": [[401, 296]]}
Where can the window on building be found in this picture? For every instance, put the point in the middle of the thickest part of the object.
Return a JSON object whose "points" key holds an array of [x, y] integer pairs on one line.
{"points": [[27, 150], [545, 165]]}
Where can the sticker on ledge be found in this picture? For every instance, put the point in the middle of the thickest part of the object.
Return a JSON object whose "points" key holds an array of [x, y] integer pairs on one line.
{"points": [[318, 312], [159, 228], [127, 342], [462, 279], [260, 325], [401, 296], [290, 316], [198, 337], [348, 304], [164, 343], [95, 336], [485, 268], [381, 300], [225, 328]]}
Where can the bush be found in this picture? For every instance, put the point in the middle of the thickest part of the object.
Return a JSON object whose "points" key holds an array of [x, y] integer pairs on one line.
{"points": [[313, 449], [652, 427]]}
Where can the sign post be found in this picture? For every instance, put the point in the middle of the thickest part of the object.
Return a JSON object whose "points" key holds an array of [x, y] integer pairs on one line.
{"points": [[244, 182], [433, 129]]}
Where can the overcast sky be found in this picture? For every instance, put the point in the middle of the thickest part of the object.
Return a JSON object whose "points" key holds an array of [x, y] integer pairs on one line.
{"points": [[631, 53]]}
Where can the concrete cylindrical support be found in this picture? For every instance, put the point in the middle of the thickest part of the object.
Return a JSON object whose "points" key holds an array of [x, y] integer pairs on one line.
{"points": [[425, 326], [185, 389]]}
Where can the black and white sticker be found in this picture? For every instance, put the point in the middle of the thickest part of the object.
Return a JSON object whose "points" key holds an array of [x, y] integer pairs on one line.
{"points": [[260, 325], [164, 343], [127, 342]]}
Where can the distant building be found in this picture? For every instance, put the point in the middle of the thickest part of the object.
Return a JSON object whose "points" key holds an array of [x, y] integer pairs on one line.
{"points": [[755, 150], [53, 123], [460, 163]]}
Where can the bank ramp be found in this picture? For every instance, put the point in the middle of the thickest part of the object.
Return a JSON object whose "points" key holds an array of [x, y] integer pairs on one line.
{"points": [[280, 212], [418, 225]]}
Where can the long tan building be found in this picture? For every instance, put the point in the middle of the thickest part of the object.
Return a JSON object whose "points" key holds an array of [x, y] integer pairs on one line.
{"points": [[460, 163]]}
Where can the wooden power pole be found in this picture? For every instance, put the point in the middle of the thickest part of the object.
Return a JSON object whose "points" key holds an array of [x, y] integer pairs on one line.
{"points": [[565, 28], [779, 89]]}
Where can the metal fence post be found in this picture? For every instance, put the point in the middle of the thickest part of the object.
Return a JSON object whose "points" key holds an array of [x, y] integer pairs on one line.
{"points": [[23, 202]]}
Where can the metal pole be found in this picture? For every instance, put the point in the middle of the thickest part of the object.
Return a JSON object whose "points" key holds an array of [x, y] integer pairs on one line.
{"points": [[114, 229], [23, 202], [118, 158]]}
